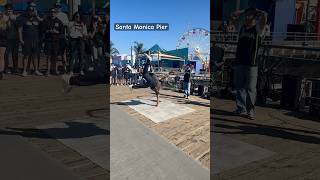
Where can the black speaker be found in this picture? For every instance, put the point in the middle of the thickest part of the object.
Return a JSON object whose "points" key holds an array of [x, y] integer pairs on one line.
{"points": [[295, 31], [296, 28], [290, 92]]}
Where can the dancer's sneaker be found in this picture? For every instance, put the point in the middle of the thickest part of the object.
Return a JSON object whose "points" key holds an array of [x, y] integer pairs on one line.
{"points": [[131, 88], [81, 72], [66, 83]]}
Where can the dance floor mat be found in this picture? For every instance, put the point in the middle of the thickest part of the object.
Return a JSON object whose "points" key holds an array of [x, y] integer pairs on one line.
{"points": [[90, 139], [165, 111]]}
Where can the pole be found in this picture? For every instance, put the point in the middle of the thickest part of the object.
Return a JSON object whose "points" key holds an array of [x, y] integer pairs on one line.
{"points": [[158, 61], [131, 56], [238, 5], [307, 16], [93, 7], [318, 20]]}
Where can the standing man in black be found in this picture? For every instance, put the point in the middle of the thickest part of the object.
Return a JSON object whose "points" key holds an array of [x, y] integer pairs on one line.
{"points": [[187, 82], [53, 28], [246, 70]]}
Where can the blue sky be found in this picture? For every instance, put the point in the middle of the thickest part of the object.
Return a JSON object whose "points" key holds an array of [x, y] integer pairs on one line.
{"points": [[180, 14]]}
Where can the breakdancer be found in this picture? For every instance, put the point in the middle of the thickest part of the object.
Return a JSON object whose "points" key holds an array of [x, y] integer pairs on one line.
{"points": [[150, 79]]}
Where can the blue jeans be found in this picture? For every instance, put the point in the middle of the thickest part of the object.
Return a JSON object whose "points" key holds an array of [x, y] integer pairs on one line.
{"points": [[245, 82], [186, 88], [77, 52]]}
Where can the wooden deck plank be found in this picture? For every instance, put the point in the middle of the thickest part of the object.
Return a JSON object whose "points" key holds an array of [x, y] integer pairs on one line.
{"points": [[29, 102]]}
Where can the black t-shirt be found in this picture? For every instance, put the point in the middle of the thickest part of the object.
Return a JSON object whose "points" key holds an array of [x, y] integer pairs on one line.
{"points": [[187, 76], [12, 29], [30, 28], [53, 24], [247, 49]]}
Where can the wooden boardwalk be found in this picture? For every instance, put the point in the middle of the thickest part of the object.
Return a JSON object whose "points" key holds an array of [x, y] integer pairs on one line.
{"points": [[294, 138], [29, 102], [189, 132]]}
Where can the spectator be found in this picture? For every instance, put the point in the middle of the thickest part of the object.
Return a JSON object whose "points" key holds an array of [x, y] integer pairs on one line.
{"points": [[119, 75], [245, 70], [29, 38], [78, 33], [96, 34], [187, 82], [63, 17], [12, 39], [54, 28], [3, 42]]}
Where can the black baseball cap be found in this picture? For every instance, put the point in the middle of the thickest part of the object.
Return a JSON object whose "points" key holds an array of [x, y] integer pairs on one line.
{"points": [[250, 10], [8, 7]]}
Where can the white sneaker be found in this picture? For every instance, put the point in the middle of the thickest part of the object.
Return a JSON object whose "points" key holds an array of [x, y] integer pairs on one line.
{"points": [[251, 115], [81, 72], [66, 83], [24, 74], [66, 78], [38, 73]]}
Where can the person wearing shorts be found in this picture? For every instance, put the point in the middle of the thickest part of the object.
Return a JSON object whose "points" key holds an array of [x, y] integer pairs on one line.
{"points": [[29, 28], [3, 42], [63, 17], [12, 39]]}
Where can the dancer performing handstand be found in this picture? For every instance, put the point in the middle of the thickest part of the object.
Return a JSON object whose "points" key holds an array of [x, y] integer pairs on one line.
{"points": [[151, 79]]}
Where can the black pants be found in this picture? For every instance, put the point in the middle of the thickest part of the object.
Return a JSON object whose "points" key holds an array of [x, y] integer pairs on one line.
{"points": [[77, 53]]}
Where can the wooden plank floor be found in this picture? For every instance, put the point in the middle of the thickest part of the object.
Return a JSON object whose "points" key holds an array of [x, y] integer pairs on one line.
{"points": [[28, 102], [190, 132], [293, 137]]}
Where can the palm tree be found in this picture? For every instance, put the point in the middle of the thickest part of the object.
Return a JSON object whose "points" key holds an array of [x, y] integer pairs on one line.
{"points": [[138, 49], [113, 51]]}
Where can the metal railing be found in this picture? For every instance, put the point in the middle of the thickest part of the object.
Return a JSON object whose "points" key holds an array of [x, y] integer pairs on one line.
{"points": [[300, 46]]}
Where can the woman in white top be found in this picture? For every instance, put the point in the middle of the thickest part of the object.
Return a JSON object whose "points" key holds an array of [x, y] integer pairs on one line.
{"points": [[77, 33]]}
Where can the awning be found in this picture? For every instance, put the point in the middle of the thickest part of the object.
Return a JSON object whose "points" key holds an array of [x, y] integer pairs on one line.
{"points": [[166, 56]]}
